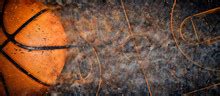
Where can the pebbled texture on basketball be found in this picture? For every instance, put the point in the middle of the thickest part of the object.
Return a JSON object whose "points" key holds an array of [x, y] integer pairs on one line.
{"points": [[31, 72]]}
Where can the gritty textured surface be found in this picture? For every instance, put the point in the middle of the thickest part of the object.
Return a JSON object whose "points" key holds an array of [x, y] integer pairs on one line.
{"points": [[108, 53]]}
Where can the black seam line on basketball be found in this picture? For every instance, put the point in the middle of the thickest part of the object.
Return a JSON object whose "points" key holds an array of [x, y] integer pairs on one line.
{"points": [[11, 37], [4, 84], [23, 70], [4, 44], [27, 22], [35, 48], [30, 48]]}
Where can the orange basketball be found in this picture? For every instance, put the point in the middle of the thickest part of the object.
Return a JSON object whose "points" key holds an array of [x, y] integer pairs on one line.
{"points": [[27, 68]]}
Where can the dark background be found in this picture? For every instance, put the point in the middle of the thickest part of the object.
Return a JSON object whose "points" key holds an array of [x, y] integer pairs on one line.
{"points": [[168, 71]]}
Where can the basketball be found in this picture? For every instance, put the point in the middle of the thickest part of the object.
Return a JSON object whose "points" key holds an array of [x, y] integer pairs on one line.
{"points": [[29, 25]]}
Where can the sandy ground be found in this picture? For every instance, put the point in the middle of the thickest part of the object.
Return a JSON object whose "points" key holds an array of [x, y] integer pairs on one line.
{"points": [[114, 59], [131, 51]]}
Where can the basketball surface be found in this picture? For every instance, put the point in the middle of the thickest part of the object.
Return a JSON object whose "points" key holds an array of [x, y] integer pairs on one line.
{"points": [[30, 23]]}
